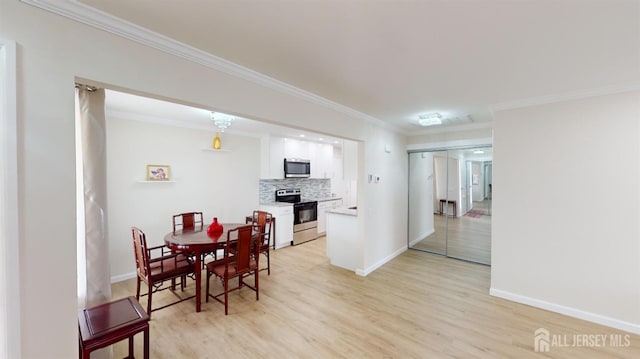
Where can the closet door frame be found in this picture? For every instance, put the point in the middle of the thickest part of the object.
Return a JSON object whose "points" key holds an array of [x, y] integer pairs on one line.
{"points": [[446, 147]]}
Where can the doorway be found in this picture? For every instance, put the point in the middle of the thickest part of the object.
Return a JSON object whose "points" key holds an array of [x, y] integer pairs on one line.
{"points": [[450, 194]]}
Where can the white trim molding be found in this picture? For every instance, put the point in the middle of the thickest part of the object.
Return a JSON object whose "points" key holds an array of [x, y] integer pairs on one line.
{"points": [[10, 327], [123, 277], [447, 145], [380, 263], [101, 20], [571, 312], [575, 95], [453, 128]]}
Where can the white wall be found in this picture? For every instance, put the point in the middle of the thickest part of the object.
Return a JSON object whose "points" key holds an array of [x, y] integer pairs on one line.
{"points": [[421, 201], [477, 189], [461, 206], [53, 52], [220, 184], [382, 207], [448, 173], [566, 208], [440, 178]]}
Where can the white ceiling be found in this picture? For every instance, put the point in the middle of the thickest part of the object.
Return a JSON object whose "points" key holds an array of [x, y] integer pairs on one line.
{"points": [[394, 60]]}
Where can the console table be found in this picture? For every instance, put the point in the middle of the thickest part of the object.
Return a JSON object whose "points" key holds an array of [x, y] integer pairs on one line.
{"points": [[444, 202], [109, 323]]}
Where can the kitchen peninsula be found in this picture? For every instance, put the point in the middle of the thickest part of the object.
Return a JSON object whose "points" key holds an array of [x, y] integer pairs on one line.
{"points": [[342, 237]]}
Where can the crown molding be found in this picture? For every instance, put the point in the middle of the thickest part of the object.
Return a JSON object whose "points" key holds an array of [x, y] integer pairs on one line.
{"points": [[93, 17], [449, 145], [568, 96]]}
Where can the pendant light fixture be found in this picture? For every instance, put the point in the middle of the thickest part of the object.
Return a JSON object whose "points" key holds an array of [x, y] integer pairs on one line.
{"points": [[221, 120]]}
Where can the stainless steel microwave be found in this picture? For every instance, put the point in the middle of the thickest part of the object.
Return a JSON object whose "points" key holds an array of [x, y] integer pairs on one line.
{"points": [[296, 168]]}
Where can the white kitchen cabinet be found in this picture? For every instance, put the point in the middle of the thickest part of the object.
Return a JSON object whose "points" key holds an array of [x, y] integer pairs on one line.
{"points": [[276, 149], [296, 148], [336, 162], [323, 207], [284, 222], [325, 161], [342, 238], [271, 157], [350, 160], [276, 158], [321, 157]]}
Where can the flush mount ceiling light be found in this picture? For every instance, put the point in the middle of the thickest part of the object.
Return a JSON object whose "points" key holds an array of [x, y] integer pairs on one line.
{"points": [[430, 119], [221, 120]]}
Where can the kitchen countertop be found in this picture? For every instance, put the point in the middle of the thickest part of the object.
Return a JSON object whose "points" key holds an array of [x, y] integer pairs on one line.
{"points": [[284, 204], [323, 199], [277, 204], [347, 211]]}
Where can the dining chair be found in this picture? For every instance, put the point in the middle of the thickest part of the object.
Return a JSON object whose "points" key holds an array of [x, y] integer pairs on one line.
{"points": [[242, 263], [155, 265], [262, 224], [188, 221], [191, 221]]}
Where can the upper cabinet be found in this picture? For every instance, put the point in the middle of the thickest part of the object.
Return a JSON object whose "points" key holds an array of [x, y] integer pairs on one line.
{"points": [[321, 156], [276, 157], [297, 149], [350, 160], [276, 149]]}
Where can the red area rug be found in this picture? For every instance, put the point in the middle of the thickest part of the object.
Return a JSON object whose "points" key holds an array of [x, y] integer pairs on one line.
{"points": [[476, 213]]}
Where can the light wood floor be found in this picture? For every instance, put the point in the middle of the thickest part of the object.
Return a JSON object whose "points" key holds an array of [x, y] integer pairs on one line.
{"points": [[419, 305], [468, 238]]}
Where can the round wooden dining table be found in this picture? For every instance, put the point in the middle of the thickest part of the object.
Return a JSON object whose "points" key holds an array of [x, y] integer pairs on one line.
{"points": [[197, 241]]}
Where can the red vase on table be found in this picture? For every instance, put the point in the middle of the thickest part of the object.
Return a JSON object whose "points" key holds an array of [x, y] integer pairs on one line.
{"points": [[215, 227]]}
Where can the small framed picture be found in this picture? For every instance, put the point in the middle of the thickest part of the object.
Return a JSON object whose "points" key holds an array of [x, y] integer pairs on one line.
{"points": [[158, 173]]}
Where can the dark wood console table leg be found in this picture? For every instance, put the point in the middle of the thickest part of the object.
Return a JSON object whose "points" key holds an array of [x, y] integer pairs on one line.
{"points": [[445, 203]]}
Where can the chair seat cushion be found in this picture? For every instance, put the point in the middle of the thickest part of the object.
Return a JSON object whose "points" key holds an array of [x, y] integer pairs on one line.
{"points": [[170, 266], [213, 264]]}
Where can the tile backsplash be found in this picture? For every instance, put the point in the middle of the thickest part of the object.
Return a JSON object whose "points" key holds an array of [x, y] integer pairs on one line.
{"points": [[310, 188]]}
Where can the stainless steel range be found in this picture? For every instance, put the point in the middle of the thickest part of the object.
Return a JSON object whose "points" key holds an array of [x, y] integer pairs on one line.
{"points": [[305, 215]]}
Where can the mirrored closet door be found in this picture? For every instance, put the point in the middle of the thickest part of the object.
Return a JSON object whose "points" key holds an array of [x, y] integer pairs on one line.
{"points": [[450, 203]]}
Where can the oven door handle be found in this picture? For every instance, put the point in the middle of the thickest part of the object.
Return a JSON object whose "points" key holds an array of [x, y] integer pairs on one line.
{"points": [[305, 205]]}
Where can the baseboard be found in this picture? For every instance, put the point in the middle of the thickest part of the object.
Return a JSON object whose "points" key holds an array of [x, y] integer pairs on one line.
{"points": [[568, 311], [121, 277], [421, 238], [380, 263], [283, 245]]}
